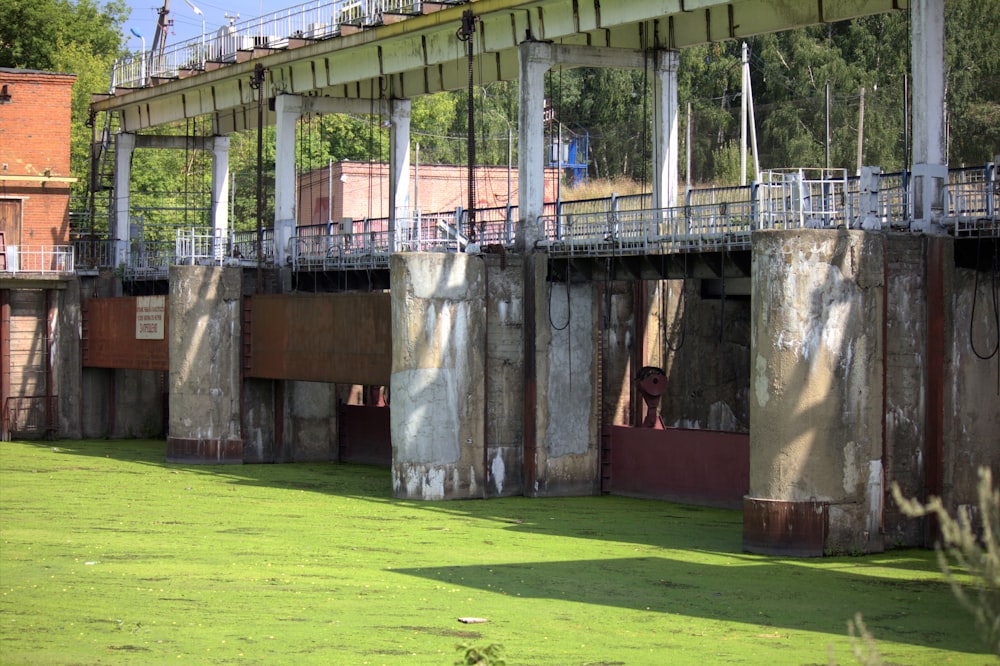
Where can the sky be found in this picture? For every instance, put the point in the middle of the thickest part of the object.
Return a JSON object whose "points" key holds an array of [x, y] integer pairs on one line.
{"points": [[187, 24]]}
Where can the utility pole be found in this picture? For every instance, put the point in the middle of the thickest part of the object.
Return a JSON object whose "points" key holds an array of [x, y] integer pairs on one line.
{"points": [[465, 33], [861, 128], [745, 74], [827, 124], [257, 83]]}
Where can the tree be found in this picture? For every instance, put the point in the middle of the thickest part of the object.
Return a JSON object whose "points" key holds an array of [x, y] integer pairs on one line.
{"points": [[79, 38]]}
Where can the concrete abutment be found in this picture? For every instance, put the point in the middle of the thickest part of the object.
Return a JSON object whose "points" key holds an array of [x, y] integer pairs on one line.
{"points": [[205, 336]]}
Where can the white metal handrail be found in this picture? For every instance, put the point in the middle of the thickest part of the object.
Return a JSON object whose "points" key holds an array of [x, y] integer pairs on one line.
{"points": [[48, 259]]}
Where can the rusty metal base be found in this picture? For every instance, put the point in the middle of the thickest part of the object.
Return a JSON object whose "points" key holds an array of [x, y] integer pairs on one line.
{"points": [[782, 527], [205, 451]]}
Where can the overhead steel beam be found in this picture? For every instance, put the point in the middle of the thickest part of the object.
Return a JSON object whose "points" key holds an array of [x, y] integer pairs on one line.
{"points": [[420, 55]]}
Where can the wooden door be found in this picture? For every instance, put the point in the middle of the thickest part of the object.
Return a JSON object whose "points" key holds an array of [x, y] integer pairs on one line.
{"points": [[10, 228]]}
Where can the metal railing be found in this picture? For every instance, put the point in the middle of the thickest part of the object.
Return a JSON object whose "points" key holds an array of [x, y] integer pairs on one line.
{"points": [[276, 30], [92, 253], [47, 259], [709, 219], [341, 251], [804, 198]]}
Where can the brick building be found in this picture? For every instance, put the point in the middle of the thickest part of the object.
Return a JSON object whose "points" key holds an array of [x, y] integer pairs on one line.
{"points": [[360, 190], [39, 294], [35, 111]]}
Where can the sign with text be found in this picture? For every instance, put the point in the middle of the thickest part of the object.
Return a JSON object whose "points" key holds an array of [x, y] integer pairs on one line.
{"points": [[149, 317]]}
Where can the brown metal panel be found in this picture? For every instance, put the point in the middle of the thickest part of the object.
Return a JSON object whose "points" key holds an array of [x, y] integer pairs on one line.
{"points": [[111, 341], [780, 527], [704, 467], [205, 451], [343, 338]]}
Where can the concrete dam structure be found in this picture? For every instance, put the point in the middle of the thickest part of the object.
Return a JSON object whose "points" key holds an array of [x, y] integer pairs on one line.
{"points": [[818, 336]]}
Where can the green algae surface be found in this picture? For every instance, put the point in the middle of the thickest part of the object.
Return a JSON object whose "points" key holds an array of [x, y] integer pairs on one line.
{"points": [[109, 555]]}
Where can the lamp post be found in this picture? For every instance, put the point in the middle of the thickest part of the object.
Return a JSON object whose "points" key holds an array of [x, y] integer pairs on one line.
{"points": [[202, 15], [142, 62]]}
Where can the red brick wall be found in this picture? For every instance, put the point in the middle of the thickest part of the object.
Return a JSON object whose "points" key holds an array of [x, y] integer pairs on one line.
{"points": [[35, 138], [361, 190]]}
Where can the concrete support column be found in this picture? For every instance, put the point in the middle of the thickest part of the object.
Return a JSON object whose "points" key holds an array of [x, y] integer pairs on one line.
{"points": [[562, 443], [399, 166], [817, 376], [930, 159], [288, 108], [437, 382], [665, 130], [205, 364], [124, 149], [534, 58], [869, 218], [220, 187]]}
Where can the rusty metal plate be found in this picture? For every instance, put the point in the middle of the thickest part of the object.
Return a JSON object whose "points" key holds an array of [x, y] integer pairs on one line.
{"points": [[343, 338], [703, 467], [109, 337], [781, 527]]}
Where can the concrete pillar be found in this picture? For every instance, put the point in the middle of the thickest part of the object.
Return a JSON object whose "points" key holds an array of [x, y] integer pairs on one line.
{"points": [[399, 165], [665, 130], [930, 159], [869, 218], [220, 188], [816, 389], [534, 58], [437, 384], [124, 149], [562, 452], [66, 324], [287, 108], [205, 313]]}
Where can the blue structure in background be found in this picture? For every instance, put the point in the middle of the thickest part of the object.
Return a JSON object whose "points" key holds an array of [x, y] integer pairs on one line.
{"points": [[571, 154]]}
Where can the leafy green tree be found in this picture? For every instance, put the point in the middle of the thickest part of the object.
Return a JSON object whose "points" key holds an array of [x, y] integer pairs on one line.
{"points": [[81, 38], [972, 29]]}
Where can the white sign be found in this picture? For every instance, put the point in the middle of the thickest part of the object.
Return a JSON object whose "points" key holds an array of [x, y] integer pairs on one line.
{"points": [[149, 316]]}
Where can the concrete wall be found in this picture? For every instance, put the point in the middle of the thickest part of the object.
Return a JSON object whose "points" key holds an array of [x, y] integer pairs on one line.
{"points": [[65, 334], [205, 343], [705, 344], [972, 397], [504, 375], [437, 384], [905, 381], [617, 304], [260, 444], [816, 384], [567, 445], [310, 421]]}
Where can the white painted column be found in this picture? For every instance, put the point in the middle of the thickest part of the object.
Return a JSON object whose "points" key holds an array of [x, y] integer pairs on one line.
{"points": [[287, 108], [399, 166], [930, 161], [665, 130], [220, 187], [535, 58], [124, 149]]}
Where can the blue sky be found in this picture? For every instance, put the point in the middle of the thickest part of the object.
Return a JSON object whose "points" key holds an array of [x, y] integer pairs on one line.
{"points": [[187, 24]]}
